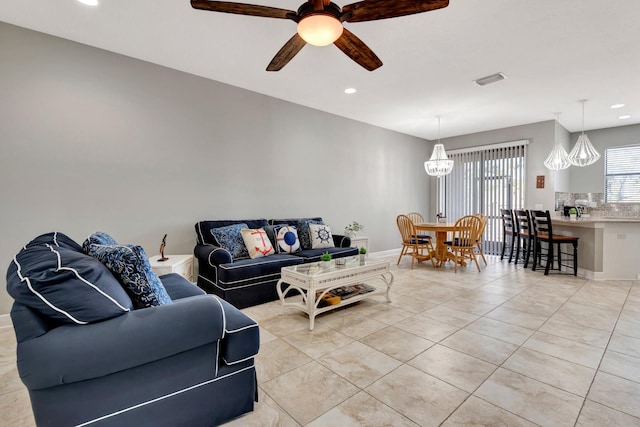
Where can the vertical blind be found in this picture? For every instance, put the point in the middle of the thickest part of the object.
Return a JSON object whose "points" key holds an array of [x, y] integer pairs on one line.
{"points": [[485, 179]]}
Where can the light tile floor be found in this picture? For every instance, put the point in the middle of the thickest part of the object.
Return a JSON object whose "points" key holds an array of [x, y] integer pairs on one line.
{"points": [[504, 347]]}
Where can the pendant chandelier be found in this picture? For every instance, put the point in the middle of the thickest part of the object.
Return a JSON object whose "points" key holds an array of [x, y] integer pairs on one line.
{"points": [[439, 164], [558, 158], [583, 153]]}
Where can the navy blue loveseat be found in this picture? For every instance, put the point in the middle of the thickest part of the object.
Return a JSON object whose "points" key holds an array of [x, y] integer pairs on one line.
{"points": [[88, 357], [247, 282]]}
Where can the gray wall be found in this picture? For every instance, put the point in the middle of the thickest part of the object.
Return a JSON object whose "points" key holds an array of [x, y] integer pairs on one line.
{"points": [[93, 141], [541, 140]]}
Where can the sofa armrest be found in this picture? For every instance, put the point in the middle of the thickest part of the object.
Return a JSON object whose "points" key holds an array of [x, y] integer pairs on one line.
{"points": [[341, 241], [73, 353], [212, 255], [242, 336]]}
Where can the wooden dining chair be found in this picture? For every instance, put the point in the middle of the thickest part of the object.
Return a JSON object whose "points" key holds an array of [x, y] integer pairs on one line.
{"points": [[524, 226], [550, 244], [509, 233], [417, 248], [483, 225], [464, 242], [417, 218]]}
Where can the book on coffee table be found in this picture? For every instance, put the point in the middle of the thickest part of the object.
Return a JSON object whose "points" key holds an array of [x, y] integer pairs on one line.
{"points": [[346, 292]]}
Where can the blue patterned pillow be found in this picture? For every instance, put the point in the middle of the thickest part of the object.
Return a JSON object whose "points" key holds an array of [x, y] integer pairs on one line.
{"points": [[98, 238], [63, 284], [130, 265], [303, 232], [230, 238]]}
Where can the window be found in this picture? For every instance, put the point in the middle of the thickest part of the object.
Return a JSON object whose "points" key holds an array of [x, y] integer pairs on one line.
{"points": [[622, 174]]}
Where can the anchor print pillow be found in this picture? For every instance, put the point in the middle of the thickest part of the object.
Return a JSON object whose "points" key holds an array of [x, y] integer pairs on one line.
{"points": [[257, 242]]}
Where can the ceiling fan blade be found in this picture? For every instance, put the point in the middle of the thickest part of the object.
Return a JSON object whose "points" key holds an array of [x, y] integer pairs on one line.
{"points": [[355, 49], [371, 10], [243, 9], [286, 54]]}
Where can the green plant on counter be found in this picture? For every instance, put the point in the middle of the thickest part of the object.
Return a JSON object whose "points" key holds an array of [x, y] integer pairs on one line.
{"points": [[573, 211], [363, 250], [325, 257]]}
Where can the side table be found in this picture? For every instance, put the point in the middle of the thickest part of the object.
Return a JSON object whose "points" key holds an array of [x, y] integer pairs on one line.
{"points": [[360, 242], [181, 264]]}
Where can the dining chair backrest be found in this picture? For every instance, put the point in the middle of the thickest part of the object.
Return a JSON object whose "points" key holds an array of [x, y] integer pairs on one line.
{"points": [[483, 223], [406, 227], [523, 222], [541, 223], [467, 230], [416, 217], [507, 221]]}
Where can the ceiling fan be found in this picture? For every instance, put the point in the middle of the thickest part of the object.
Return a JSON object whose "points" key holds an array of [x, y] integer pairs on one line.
{"points": [[320, 23]]}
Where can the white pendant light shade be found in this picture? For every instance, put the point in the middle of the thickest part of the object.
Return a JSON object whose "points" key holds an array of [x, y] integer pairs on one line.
{"points": [[439, 164], [583, 153], [558, 159]]}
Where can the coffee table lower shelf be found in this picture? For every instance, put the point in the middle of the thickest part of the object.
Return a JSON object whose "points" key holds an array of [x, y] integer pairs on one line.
{"points": [[312, 287]]}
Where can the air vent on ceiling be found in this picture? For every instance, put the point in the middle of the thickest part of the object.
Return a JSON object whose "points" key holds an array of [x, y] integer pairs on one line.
{"points": [[490, 79]]}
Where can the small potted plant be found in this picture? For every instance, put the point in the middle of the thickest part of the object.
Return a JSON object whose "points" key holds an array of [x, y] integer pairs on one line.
{"points": [[573, 214], [363, 253], [352, 229], [325, 258]]}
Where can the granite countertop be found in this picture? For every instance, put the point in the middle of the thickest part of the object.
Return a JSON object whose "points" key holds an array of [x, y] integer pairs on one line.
{"points": [[595, 219]]}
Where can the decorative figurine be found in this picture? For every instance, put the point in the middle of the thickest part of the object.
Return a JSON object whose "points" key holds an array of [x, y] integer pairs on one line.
{"points": [[162, 245]]}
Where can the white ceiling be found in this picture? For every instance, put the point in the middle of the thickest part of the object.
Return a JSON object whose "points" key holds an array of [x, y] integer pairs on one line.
{"points": [[554, 52]]}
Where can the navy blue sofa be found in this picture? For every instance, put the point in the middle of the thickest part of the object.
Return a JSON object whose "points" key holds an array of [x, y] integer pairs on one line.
{"points": [[187, 363], [248, 282]]}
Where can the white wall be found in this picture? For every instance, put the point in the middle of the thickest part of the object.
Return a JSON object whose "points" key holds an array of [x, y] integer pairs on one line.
{"points": [[91, 140]]}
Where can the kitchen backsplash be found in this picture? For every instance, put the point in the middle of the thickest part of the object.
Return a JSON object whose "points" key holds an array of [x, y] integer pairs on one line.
{"points": [[620, 210]]}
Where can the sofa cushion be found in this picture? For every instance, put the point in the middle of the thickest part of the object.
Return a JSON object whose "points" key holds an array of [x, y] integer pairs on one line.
{"points": [[230, 238], [320, 236], [257, 243], [313, 255], [249, 272], [286, 238], [55, 238], [98, 238], [65, 285], [304, 234], [203, 228], [129, 263]]}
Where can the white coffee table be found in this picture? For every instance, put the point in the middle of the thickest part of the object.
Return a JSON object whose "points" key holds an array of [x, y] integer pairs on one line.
{"points": [[314, 278]]}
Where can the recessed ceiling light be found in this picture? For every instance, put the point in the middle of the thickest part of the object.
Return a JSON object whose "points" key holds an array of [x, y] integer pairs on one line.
{"points": [[490, 79], [614, 106], [350, 90], [626, 116], [89, 2]]}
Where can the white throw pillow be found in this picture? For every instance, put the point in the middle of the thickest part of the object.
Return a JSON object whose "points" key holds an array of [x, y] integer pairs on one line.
{"points": [[257, 242], [320, 236], [287, 238]]}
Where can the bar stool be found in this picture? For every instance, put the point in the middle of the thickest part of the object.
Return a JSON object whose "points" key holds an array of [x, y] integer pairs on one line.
{"points": [[522, 220], [509, 232], [544, 234]]}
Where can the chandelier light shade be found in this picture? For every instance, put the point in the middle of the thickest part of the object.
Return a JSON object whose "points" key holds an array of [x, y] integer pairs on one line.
{"points": [[558, 158], [438, 164], [583, 153], [320, 29]]}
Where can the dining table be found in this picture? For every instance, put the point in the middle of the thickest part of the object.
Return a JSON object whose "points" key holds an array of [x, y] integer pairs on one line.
{"points": [[441, 230]]}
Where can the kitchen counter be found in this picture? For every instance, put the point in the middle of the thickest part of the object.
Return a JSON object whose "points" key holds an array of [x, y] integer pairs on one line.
{"points": [[608, 248]]}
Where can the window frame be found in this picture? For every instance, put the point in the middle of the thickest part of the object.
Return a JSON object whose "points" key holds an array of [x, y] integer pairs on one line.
{"points": [[608, 176]]}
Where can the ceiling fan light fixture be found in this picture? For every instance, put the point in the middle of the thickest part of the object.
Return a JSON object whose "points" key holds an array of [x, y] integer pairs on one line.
{"points": [[320, 29]]}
